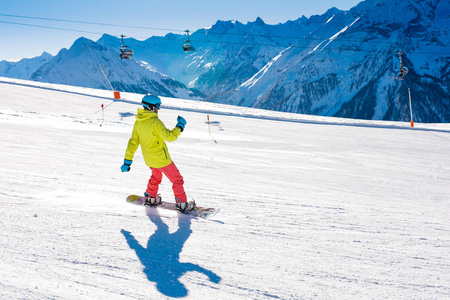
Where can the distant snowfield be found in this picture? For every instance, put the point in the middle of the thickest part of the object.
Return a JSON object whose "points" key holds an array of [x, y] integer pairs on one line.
{"points": [[311, 207]]}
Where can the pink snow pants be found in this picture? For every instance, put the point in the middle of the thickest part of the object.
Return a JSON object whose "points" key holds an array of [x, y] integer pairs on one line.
{"points": [[171, 172]]}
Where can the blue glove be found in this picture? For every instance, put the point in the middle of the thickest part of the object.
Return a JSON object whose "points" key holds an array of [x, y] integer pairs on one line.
{"points": [[126, 165], [181, 123]]}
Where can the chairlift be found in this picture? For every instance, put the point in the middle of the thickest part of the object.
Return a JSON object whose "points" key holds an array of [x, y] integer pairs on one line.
{"points": [[125, 51], [187, 46], [402, 73], [403, 69]]}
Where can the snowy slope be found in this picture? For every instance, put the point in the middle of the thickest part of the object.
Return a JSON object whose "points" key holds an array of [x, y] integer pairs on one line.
{"points": [[311, 207]]}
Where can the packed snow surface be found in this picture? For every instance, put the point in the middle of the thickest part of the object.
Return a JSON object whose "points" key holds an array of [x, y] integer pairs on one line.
{"points": [[311, 207]]}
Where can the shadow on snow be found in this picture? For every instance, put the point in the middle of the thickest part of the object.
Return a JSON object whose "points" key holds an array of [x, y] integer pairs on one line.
{"points": [[161, 257]]}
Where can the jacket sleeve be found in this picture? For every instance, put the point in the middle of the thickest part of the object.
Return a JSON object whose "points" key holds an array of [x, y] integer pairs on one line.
{"points": [[166, 134], [133, 144]]}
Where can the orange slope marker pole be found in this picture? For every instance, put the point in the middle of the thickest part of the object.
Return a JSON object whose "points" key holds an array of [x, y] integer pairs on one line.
{"points": [[116, 93], [410, 107]]}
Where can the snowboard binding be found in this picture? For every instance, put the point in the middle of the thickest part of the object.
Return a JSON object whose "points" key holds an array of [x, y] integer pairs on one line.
{"points": [[185, 207], [152, 201]]}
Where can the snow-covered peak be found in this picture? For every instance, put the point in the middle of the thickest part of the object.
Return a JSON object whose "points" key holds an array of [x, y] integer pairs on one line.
{"points": [[258, 22], [83, 44], [109, 41], [224, 26], [25, 67]]}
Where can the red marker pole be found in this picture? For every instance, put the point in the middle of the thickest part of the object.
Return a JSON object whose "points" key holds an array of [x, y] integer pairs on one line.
{"points": [[103, 112]]}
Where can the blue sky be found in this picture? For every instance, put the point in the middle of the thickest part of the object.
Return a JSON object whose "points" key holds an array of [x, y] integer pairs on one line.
{"points": [[19, 41]]}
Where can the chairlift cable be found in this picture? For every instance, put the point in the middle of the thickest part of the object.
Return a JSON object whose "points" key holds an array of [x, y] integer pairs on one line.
{"points": [[51, 27], [91, 23], [178, 30], [220, 42]]}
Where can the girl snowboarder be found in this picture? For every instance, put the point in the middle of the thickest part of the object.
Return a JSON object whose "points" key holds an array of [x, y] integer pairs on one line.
{"points": [[150, 132]]}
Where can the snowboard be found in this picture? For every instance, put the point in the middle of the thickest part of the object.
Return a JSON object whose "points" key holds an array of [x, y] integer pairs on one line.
{"points": [[198, 211]]}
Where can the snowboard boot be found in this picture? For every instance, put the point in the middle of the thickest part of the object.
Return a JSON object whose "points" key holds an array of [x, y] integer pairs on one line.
{"points": [[152, 201], [184, 207]]}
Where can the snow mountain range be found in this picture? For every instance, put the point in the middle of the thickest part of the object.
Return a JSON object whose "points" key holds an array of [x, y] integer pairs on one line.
{"points": [[25, 68], [85, 62], [345, 67], [341, 63]]}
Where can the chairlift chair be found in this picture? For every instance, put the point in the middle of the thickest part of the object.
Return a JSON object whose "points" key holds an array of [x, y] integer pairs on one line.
{"points": [[403, 69], [187, 46], [125, 51]]}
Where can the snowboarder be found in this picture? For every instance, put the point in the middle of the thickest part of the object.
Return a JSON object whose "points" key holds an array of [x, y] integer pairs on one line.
{"points": [[150, 132]]}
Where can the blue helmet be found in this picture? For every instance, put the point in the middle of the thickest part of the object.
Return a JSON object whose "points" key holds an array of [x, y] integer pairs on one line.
{"points": [[151, 101]]}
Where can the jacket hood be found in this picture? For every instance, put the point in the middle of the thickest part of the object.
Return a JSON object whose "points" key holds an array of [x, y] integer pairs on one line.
{"points": [[143, 114]]}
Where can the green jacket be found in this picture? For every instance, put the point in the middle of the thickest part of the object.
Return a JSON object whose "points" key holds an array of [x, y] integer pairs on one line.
{"points": [[150, 132]]}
